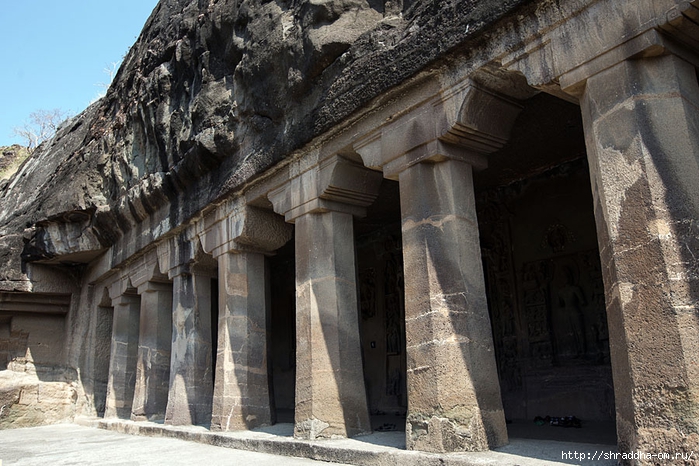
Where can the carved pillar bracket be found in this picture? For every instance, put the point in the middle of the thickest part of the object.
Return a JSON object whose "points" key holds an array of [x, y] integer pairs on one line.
{"points": [[239, 238], [330, 394], [233, 227], [642, 135], [465, 122], [454, 401], [336, 184]]}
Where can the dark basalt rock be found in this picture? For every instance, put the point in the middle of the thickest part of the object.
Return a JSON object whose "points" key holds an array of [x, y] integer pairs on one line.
{"points": [[212, 93]]}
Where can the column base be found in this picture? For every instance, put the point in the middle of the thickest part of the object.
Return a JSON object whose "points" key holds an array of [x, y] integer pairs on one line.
{"points": [[242, 418], [461, 432], [313, 429]]}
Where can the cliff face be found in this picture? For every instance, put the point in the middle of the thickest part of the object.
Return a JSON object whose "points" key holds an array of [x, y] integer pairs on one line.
{"points": [[212, 93]]}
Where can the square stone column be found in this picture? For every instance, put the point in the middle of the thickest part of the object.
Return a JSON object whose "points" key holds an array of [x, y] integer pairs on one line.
{"points": [[153, 361], [641, 123], [330, 393], [191, 375], [239, 236], [122, 361], [242, 392], [454, 401]]}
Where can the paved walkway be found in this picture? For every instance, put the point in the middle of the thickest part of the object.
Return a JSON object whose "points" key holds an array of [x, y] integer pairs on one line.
{"points": [[120, 442], [68, 444]]}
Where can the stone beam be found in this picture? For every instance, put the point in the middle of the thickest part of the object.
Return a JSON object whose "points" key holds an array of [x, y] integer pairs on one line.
{"points": [[330, 392], [558, 58], [35, 303]]}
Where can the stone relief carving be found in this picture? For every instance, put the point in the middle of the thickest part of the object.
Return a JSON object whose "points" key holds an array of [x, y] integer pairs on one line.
{"points": [[367, 293], [393, 282], [546, 302], [557, 238], [496, 248], [536, 277], [394, 316], [564, 306]]}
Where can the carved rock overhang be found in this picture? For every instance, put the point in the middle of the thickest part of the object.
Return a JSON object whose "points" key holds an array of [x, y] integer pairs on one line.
{"points": [[526, 55]]}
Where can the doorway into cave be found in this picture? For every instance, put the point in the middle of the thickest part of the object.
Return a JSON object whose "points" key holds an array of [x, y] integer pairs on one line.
{"points": [[282, 269], [544, 281], [381, 309]]}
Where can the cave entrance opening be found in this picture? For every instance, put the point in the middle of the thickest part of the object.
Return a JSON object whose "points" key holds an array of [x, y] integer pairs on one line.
{"points": [[282, 267], [382, 310], [544, 281]]}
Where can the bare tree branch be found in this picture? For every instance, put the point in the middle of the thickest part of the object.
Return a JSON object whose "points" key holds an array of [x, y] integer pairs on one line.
{"points": [[41, 126]]}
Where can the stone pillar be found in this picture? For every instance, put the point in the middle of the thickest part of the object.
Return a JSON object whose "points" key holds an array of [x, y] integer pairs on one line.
{"points": [[242, 392], [454, 401], [330, 393], [239, 236], [153, 362], [122, 361], [641, 125], [191, 378]]}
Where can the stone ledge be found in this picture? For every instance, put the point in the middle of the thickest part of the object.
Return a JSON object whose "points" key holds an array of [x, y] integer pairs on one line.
{"points": [[377, 449]]}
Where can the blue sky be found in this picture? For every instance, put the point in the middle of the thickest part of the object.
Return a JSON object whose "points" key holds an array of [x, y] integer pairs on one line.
{"points": [[53, 53]]}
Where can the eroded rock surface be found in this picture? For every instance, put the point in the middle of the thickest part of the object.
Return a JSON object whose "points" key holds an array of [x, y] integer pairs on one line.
{"points": [[34, 395], [211, 94]]}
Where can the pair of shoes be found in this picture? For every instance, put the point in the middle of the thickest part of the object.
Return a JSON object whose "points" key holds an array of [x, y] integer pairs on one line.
{"points": [[568, 421]]}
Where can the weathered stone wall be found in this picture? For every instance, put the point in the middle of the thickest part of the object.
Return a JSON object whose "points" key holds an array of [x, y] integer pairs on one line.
{"points": [[35, 385]]}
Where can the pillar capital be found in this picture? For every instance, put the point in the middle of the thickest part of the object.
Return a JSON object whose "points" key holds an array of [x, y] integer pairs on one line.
{"points": [[237, 228], [464, 122], [651, 43], [121, 293], [183, 255], [154, 287], [146, 269], [336, 184]]}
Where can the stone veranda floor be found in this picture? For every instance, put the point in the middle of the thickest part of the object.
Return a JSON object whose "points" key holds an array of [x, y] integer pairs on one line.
{"points": [[70, 444], [104, 442]]}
